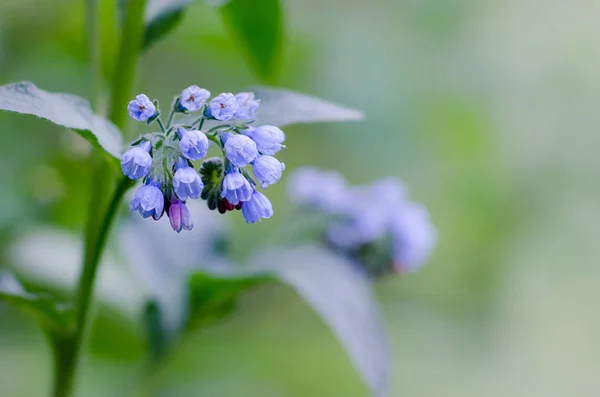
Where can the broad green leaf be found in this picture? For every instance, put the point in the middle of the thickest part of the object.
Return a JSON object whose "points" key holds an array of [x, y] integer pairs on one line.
{"points": [[341, 295], [257, 25], [63, 109], [53, 316], [161, 17], [155, 330], [282, 107]]}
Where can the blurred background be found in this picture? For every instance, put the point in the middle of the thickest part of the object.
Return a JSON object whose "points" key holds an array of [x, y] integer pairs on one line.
{"points": [[487, 110]]}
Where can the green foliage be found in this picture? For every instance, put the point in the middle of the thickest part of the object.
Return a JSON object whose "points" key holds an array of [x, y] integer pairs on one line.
{"points": [[161, 17], [63, 109], [258, 27], [53, 316]]}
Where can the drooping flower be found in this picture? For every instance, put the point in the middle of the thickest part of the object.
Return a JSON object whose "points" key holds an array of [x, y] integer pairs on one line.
{"points": [[148, 200], [186, 181], [141, 108], [179, 216], [193, 98], [222, 107], [267, 170], [240, 149], [257, 207], [247, 106], [268, 138], [193, 143], [136, 162], [236, 188]]}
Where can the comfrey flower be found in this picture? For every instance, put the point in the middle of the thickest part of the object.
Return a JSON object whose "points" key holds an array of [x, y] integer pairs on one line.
{"points": [[186, 181], [148, 200], [236, 187], [268, 138], [240, 150], [136, 162], [179, 216], [374, 224], [193, 98], [193, 143], [223, 107], [267, 170], [247, 106], [257, 207], [141, 108], [163, 159]]}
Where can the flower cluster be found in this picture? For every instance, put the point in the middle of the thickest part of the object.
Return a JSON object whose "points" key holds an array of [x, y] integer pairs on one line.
{"points": [[375, 224], [164, 159]]}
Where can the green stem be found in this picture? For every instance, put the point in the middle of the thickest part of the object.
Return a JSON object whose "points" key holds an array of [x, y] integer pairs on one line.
{"points": [[67, 350], [132, 36]]}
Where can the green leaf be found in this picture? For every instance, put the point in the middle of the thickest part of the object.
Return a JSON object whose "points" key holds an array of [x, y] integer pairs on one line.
{"points": [[53, 316], [282, 107], [213, 296], [161, 17], [155, 329], [257, 25], [341, 294], [63, 109]]}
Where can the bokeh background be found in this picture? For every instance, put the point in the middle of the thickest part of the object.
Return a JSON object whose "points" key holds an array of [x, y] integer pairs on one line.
{"points": [[487, 110]]}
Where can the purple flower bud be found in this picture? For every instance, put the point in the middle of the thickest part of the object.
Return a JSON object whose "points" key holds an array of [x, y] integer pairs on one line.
{"points": [[267, 170], [222, 107], [240, 150], [268, 138], [186, 182], [141, 108], [179, 216], [257, 207], [236, 188], [193, 98], [193, 143], [247, 106], [413, 237], [136, 162], [148, 200]]}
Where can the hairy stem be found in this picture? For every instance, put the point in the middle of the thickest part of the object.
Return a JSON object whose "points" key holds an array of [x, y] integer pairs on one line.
{"points": [[67, 350]]}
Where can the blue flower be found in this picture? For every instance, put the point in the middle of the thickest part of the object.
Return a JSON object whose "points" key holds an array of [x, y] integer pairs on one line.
{"points": [[247, 106], [236, 188], [324, 190], [267, 170], [193, 98], [240, 149], [148, 200], [179, 216], [141, 108], [257, 207], [136, 162], [222, 107], [268, 138], [193, 143], [186, 182], [413, 237]]}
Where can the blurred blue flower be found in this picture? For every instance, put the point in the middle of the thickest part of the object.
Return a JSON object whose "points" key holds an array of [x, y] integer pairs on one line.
{"points": [[179, 216], [267, 170], [136, 162], [148, 200], [141, 108], [240, 149], [268, 138], [222, 107], [247, 106], [236, 188], [193, 143], [324, 190], [257, 207], [193, 98], [413, 237], [186, 182]]}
